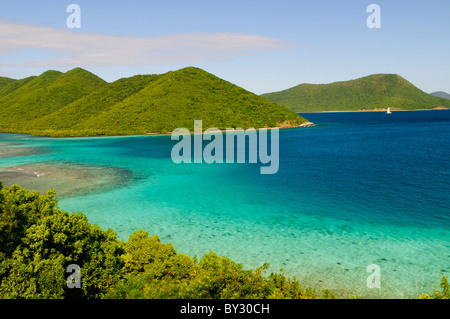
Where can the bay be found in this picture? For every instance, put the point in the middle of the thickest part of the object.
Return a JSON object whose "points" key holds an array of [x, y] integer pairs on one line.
{"points": [[357, 189]]}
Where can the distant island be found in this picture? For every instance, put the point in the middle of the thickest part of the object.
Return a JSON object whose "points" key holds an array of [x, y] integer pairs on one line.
{"points": [[79, 103], [441, 94], [371, 93]]}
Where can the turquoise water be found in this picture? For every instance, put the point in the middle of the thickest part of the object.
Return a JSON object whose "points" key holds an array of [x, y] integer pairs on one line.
{"points": [[355, 190]]}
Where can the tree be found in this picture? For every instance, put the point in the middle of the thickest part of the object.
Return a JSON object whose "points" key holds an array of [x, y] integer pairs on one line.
{"points": [[39, 241]]}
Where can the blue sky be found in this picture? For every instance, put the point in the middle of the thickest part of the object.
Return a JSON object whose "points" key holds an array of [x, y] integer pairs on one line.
{"points": [[262, 46]]}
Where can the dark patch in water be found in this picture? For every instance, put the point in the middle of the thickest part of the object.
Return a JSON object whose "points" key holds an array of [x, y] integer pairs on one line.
{"points": [[21, 151], [69, 179]]}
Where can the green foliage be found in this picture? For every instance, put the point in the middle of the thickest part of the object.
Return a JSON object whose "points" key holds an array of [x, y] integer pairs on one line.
{"points": [[9, 86], [38, 241], [5, 82], [378, 91], [144, 254], [78, 103], [43, 95], [213, 278], [21, 209], [445, 294]]}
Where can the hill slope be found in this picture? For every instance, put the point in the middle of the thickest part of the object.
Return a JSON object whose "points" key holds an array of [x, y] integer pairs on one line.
{"points": [[59, 104], [10, 85], [4, 81], [441, 94], [74, 114], [378, 91], [43, 95]]}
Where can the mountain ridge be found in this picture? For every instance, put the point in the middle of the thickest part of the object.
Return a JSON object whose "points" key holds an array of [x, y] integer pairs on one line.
{"points": [[372, 92], [78, 103], [45, 94], [441, 94]]}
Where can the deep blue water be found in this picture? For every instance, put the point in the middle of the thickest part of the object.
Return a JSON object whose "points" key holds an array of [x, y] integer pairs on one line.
{"points": [[357, 189]]}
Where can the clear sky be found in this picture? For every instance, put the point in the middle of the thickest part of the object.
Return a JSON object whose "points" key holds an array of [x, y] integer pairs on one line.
{"points": [[262, 46]]}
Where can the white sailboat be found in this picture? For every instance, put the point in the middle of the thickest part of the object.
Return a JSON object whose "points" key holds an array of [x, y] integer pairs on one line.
{"points": [[389, 110]]}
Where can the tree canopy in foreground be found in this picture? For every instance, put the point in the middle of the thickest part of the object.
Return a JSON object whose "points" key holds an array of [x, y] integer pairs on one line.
{"points": [[38, 241]]}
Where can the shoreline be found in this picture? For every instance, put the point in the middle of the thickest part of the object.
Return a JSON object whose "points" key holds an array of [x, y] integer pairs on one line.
{"points": [[378, 111], [306, 124]]}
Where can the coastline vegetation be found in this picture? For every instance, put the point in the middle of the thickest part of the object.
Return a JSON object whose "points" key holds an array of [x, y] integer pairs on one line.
{"points": [[38, 241]]}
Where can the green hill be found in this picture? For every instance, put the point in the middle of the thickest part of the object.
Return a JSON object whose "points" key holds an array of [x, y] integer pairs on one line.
{"points": [[5, 81], [374, 92], [74, 114], [43, 95], [78, 103], [9, 85], [441, 94]]}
